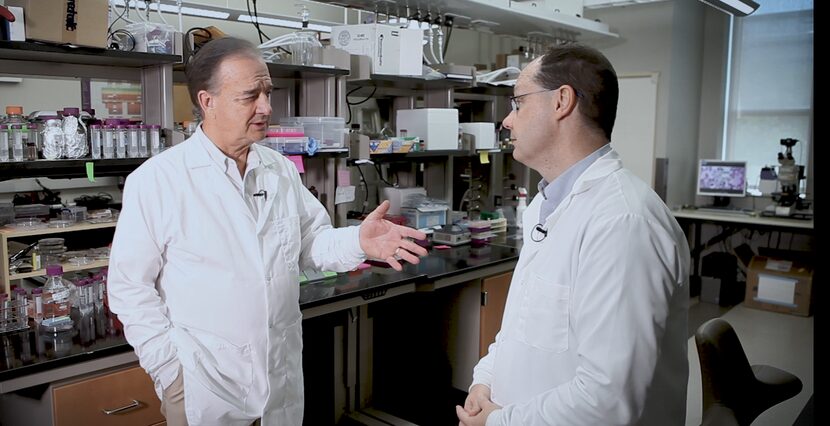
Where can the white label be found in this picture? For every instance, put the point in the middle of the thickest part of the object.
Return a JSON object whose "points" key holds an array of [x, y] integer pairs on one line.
{"points": [[775, 289], [779, 265], [344, 194]]}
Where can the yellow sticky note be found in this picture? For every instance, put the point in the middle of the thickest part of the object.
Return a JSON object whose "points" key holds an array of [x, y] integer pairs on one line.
{"points": [[90, 171], [484, 157]]}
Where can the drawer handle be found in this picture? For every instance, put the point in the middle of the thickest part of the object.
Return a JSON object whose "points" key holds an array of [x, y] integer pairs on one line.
{"points": [[130, 406]]}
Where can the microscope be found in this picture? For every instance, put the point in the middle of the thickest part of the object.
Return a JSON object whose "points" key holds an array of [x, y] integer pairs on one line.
{"points": [[788, 198]]}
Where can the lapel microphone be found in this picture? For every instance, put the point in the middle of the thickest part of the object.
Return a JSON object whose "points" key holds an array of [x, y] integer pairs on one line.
{"points": [[538, 233], [262, 193]]}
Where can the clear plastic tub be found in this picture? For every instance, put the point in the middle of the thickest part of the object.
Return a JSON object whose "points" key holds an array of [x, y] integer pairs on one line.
{"points": [[152, 37], [329, 132]]}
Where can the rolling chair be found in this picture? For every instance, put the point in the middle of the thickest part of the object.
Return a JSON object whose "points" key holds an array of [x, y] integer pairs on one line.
{"points": [[735, 393]]}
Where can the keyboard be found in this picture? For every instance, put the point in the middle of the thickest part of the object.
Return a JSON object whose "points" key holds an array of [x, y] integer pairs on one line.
{"points": [[724, 210]]}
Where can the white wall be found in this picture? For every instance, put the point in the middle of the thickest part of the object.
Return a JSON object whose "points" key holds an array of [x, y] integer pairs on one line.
{"points": [[663, 37]]}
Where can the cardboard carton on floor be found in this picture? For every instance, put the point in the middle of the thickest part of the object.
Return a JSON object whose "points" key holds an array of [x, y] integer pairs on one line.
{"points": [[779, 285]]}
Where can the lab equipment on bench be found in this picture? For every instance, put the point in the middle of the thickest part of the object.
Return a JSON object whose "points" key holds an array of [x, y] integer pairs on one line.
{"points": [[437, 127], [451, 235], [790, 174]]}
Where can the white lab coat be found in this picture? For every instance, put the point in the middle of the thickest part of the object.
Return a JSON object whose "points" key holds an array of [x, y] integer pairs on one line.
{"points": [[200, 285], [594, 330]]}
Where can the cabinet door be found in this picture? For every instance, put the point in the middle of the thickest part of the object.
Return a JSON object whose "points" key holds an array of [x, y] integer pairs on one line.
{"points": [[494, 296], [85, 402]]}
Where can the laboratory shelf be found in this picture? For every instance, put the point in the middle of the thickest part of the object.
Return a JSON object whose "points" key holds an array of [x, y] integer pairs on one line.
{"points": [[27, 51], [9, 232], [487, 89], [301, 71], [437, 154], [388, 84], [75, 168], [14, 54], [67, 267]]}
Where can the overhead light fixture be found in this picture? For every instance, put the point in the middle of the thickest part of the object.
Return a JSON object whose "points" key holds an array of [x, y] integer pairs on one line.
{"points": [[284, 23], [734, 7]]}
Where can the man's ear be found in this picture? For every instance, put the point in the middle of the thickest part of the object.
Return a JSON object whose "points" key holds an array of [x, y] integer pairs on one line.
{"points": [[565, 101], [206, 100]]}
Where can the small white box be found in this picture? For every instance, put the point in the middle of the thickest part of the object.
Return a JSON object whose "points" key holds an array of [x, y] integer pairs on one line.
{"points": [[395, 51], [437, 127], [484, 134], [397, 196], [17, 29]]}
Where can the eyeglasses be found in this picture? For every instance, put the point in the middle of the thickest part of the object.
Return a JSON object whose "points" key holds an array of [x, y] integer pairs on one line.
{"points": [[514, 99]]}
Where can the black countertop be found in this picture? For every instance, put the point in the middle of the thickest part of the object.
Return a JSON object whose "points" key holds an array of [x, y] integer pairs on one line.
{"points": [[100, 334]]}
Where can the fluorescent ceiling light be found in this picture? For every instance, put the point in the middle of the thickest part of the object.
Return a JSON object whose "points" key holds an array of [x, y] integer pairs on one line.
{"points": [[733, 7], [284, 23], [172, 9]]}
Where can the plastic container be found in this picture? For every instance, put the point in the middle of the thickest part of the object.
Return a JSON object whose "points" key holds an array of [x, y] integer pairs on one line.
{"points": [[5, 138], [132, 141], [424, 217], [32, 142], [96, 139], [121, 141], [155, 139], [57, 301], [16, 141], [143, 140], [152, 37], [108, 141], [329, 132]]}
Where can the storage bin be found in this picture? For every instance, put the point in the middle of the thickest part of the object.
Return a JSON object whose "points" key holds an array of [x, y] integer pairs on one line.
{"points": [[329, 132], [425, 217], [152, 37]]}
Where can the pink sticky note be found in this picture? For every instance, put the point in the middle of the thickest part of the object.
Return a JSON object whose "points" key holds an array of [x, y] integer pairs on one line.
{"points": [[441, 247], [363, 266], [344, 177], [298, 161]]}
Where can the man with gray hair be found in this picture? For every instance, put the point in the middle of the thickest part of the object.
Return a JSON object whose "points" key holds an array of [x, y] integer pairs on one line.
{"points": [[207, 253]]}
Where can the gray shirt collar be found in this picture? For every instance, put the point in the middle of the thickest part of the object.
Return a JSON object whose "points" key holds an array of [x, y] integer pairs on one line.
{"points": [[554, 192]]}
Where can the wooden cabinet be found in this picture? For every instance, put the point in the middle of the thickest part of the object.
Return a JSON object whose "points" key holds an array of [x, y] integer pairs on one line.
{"points": [[493, 298], [124, 397]]}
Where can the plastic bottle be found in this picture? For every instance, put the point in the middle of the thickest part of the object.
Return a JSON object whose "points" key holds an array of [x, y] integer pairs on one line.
{"points": [[4, 143], [143, 140], [14, 115], [57, 301], [96, 138], [17, 142], [521, 207], [121, 141], [108, 141], [132, 141], [33, 142], [37, 305], [155, 139]]}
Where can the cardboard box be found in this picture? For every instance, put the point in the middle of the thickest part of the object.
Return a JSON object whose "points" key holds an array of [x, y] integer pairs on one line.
{"points": [[395, 51], [779, 285], [77, 22]]}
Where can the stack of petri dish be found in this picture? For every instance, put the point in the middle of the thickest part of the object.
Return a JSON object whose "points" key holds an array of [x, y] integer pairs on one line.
{"points": [[51, 250]]}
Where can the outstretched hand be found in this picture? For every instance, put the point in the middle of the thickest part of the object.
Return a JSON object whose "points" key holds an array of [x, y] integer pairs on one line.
{"points": [[382, 239]]}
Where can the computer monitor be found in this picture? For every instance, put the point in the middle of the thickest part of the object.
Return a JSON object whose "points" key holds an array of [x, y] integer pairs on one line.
{"points": [[721, 179]]}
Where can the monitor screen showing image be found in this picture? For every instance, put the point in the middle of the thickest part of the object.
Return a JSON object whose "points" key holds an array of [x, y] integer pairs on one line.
{"points": [[721, 178]]}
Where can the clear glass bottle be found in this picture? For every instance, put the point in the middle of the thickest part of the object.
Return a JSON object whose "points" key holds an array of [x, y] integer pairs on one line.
{"points": [[4, 143], [121, 141], [143, 140], [108, 143], [57, 301], [155, 139], [95, 140], [17, 142]]}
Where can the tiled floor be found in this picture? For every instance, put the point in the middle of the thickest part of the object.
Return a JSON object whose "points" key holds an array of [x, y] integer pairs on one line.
{"points": [[780, 340]]}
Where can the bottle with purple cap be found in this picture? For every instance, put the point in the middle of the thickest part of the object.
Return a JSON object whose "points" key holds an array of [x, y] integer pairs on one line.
{"points": [[57, 301]]}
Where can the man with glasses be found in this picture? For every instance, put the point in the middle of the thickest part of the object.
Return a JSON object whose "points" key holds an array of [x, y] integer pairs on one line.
{"points": [[595, 326]]}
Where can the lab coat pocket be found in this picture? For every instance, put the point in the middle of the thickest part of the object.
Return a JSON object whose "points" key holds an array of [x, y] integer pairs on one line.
{"points": [[283, 237], [545, 314], [219, 365]]}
